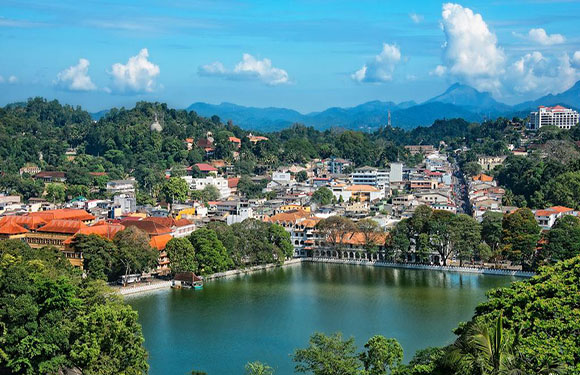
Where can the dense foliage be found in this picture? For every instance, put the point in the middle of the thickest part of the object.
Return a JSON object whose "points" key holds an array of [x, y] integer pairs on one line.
{"points": [[53, 321]]}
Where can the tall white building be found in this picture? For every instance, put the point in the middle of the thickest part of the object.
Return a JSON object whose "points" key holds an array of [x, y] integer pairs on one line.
{"points": [[370, 176], [200, 183], [564, 118]]}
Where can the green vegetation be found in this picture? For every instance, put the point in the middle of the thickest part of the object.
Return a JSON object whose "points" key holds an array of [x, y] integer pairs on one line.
{"points": [[322, 196], [53, 321]]}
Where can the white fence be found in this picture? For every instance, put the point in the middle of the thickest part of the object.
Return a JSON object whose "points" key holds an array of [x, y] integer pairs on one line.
{"points": [[480, 270]]}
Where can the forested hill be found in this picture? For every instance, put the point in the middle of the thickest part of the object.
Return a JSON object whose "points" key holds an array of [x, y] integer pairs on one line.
{"points": [[122, 143]]}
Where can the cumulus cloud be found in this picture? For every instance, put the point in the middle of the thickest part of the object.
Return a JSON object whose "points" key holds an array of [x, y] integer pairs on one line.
{"points": [[76, 77], [439, 71], [381, 68], [249, 68], [417, 18], [136, 76], [576, 60], [12, 79], [540, 36], [539, 74], [471, 52]]}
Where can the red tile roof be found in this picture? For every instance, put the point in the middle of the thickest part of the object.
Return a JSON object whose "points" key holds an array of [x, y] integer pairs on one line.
{"points": [[150, 227], [204, 167], [235, 139], [63, 214], [12, 228], [160, 242], [561, 209], [63, 226], [233, 182], [30, 222], [105, 230], [182, 222]]}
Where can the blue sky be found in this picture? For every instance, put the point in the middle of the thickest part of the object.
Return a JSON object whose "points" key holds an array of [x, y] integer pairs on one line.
{"points": [[306, 55]]}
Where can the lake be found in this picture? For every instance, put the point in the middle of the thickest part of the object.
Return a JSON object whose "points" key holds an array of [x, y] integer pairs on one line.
{"points": [[266, 315]]}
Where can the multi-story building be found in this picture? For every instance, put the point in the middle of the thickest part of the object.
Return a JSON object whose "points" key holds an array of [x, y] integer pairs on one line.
{"points": [[564, 118], [121, 186], [370, 176], [200, 183]]}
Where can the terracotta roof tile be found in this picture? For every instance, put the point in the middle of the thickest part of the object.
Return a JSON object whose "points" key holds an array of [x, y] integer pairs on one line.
{"points": [[12, 228], [62, 226]]}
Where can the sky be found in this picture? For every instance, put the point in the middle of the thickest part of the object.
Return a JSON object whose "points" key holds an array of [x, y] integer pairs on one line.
{"points": [[306, 55]]}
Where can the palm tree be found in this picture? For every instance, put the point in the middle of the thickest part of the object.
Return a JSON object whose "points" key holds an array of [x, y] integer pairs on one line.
{"points": [[485, 351]]}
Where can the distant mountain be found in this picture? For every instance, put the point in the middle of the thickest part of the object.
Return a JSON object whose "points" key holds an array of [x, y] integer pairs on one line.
{"points": [[98, 115], [470, 99], [457, 101], [568, 98]]}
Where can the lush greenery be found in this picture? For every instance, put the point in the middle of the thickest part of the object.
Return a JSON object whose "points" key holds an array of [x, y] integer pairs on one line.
{"points": [[53, 320]]}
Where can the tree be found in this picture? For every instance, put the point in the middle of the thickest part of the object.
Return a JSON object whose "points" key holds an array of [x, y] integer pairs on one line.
{"points": [[55, 192], [281, 239], [465, 236], [211, 193], [520, 235], [97, 253], [175, 190], [563, 240], [471, 168], [181, 253], [322, 196], [336, 229], [398, 241], [210, 253], [440, 233], [564, 190], [54, 322], [134, 253], [328, 355], [371, 232], [423, 248], [301, 176], [381, 356], [258, 368], [491, 232]]}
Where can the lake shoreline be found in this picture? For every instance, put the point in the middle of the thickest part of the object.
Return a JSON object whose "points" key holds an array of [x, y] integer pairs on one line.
{"points": [[132, 290]]}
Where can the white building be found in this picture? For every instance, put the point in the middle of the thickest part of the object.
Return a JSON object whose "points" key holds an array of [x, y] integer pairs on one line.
{"points": [[126, 203], [564, 118], [200, 183], [121, 186], [396, 174], [371, 176]]}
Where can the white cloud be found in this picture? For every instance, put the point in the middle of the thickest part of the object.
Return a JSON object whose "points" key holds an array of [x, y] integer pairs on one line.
{"points": [[137, 75], [249, 68], [381, 68], [576, 60], [76, 77], [12, 79], [417, 18], [439, 71], [540, 36], [470, 52], [540, 75]]}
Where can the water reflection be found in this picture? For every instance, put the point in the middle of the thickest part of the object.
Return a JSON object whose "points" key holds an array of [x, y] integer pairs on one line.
{"points": [[264, 316]]}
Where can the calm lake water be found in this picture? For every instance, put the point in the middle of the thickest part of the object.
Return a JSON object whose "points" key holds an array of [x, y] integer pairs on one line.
{"points": [[265, 316]]}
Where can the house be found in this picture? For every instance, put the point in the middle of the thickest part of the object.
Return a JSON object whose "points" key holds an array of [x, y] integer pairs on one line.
{"points": [[482, 177], [256, 138], [206, 168], [51, 176], [220, 183], [301, 226], [365, 193], [236, 141], [488, 163], [420, 149], [30, 169], [546, 218]]}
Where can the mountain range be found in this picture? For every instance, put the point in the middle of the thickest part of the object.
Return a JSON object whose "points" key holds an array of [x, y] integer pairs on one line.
{"points": [[457, 101]]}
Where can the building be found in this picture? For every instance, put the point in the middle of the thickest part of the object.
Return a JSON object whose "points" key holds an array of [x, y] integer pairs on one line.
{"points": [[121, 186], [396, 173], [336, 165], [124, 204], [200, 183], [488, 163], [301, 226], [51, 176], [30, 169], [561, 117], [547, 218], [370, 176], [420, 149]]}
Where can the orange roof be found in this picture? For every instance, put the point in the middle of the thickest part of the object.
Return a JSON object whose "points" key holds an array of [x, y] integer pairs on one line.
{"points": [[233, 182], [165, 221], [182, 222], [367, 188], [289, 216], [545, 212], [311, 222], [235, 139], [159, 242], [30, 222], [358, 238], [63, 226], [63, 214], [150, 227], [561, 209], [218, 163], [103, 229], [482, 177], [12, 228], [189, 140]]}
